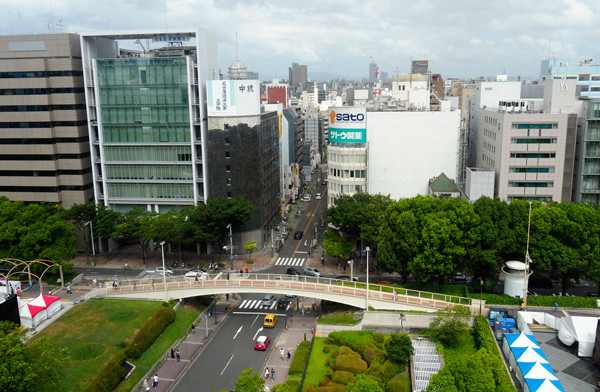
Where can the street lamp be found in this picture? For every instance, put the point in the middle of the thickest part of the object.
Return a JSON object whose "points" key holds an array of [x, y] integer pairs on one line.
{"points": [[92, 235], [162, 247], [230, 245], [527, 260], [367, 296], [480, 295]]}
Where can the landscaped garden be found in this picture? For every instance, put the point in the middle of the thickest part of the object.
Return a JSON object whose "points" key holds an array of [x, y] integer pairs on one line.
{"points": [[99, 329]]}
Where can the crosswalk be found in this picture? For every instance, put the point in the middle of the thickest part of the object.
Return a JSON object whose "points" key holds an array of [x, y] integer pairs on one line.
{"points": [[255, 304], [292, 261]]}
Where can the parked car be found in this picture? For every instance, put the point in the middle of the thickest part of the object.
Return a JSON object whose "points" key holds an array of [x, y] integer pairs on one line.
{"points": [[293, 271], [283, 303], [268, 300], [459, 279], [298, 235], [199, 272], [262, 342], [346, 277], [311, 271], [163, 271], [306, 198]]}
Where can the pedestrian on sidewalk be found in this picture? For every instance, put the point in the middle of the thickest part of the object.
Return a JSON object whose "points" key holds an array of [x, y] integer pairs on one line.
{"points": [[555, 307], [395, 295], [69, 289], [210, 312], [145, 385], [193, 328], [178, 355], [172, 353], [94, 282], [227, 297], [155, 381], [266, 373], [272, 374], [302, 310], [282, 352], [289, 354]]}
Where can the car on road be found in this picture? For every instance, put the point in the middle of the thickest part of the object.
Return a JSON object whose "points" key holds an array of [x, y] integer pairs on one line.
{"points": [[268, 300], [293, 271], [324, 182], [262, 342], [306, 198], [298, 235], [459, 280], [318, 196], [283, 303], [163, 271], [270, 320], [199, 272], [312, 271], [347, 277]]}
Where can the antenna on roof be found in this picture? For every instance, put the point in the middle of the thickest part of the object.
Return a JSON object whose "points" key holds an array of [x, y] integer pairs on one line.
{"points": [[236, 47]]}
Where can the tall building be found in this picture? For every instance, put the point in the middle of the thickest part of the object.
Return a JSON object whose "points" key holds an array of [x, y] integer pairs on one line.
{"points": [[587, 169], [238, 71], [147, 116], [585, 74], [243, 154], [298, 75], [277, 93], [44, 144], [373, 72]]}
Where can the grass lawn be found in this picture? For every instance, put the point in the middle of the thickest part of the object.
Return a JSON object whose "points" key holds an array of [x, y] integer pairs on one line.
{"points": [[344, 318], [317, 368], [94, 330]]}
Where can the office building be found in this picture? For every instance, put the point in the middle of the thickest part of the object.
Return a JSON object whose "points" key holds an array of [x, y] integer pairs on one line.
{"points": [[277, 92], [44, 144], [585, 74], [298, 77], [146, 102], [587, 168]]}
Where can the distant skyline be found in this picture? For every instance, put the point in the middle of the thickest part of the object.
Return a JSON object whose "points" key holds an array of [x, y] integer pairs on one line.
{"points": [[460, 39]]}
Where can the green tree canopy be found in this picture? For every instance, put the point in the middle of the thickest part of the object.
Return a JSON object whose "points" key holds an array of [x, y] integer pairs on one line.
{"points": [[249, 381], [364, 383]]}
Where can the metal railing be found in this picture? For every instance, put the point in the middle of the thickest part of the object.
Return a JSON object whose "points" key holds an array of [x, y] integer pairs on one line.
{"points": [[308, 284]]}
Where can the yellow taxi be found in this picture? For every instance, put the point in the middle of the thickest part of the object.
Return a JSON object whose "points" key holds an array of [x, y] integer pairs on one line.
{"points": [[270, 320]]}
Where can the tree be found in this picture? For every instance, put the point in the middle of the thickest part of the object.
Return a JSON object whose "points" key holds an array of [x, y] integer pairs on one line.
{"points": [[79, 215], [137, 223], [250, 247], [449, 324], [443, 381], [37, 367], [399, 348], [336, 245], [363, 383], [397, 241], [249, 381]]}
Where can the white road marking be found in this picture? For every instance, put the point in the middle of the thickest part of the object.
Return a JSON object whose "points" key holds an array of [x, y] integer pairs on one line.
{"points": [[238, 331], [227, 363]]}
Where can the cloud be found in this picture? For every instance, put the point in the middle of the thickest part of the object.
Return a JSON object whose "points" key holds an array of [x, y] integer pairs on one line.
{"points": [[460, 39]]}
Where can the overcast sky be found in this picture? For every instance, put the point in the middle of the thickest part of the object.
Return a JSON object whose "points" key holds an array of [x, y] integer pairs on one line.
{"points": [[459, 38]]}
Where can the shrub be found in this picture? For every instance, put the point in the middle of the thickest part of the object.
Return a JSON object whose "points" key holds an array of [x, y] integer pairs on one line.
{"points": [[331, 387], [398, 383], [110, 375], [330, 373], [309, 388], [374, 354], [347, 351], [149, 332], [328, 361], [343, 377], [356, 340], [399, 348], [165, 304], [297, 365], [449, 324], [350, 363], [288, 386], [325, 349], [123, 344], [324, 381], [329, 340], [378, 337], [386, 370], [484, 340], [334, 354]]}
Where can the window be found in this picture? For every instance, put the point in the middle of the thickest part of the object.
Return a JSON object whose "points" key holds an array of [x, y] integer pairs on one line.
{"points": [[227, 168], [228, 181], [226, 140], [530, 184], [531, 170], [533, 141], [532, 155], [227, 154], [584, 77], [229, 195]]}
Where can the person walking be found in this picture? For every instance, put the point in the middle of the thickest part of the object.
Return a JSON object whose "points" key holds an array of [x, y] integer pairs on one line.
{"points": [[395, 295], [69, 289], [289, 354], [193, 328], [282, 353], [272, 374], [172, 353], [145, 385], [177, 354], [227, 297], [94, 282], [155, 381], [266, 373]]}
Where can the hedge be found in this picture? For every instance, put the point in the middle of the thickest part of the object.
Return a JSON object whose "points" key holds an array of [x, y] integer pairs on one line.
{"points": [[110, 375], [289, 385], [386, 370], [360, 341], [484, 339], [350, 363], [343, 377], [297, 365], [398, 383], [331, 387], [149, 332], [540, 300]]}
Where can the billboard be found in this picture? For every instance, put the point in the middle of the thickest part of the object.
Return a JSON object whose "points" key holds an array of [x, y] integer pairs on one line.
{"points": [[348, 125], [233, 97]]}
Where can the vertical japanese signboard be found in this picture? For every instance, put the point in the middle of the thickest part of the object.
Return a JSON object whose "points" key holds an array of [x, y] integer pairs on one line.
{"points": [[233, 97]]}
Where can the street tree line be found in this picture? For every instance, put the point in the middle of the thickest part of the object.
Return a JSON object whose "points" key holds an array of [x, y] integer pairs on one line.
{"points": [[432, 239], [46, 231]]}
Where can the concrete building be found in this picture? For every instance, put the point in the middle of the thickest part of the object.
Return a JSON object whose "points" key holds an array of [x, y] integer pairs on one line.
{"points": [[148, 117], [585, 74], [412, 90], [44, 143], [298, 77], [586, 188], [238, 71], [277, 93], [479, 182], [531, 151]]}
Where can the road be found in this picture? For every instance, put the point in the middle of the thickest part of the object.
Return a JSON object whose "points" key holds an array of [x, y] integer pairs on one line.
{"points": [[231, 350]]}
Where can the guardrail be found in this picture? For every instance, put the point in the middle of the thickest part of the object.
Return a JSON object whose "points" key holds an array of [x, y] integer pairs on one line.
{"points": [[307, 284]]}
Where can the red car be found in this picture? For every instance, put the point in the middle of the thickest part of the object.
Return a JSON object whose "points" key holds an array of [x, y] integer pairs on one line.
{"points": [[262, 342]]}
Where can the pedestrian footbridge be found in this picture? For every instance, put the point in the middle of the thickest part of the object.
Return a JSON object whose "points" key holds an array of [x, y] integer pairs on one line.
{"points": [[346, 292]]}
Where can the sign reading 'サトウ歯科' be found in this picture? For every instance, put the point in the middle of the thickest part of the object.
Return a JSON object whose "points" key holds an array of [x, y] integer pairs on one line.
{"points": [[348, 125]]}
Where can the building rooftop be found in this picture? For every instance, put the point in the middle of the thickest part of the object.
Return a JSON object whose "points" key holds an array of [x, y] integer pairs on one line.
{"points": [[443, 184]]}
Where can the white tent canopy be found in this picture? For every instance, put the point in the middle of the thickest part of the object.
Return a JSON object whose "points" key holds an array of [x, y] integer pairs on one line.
{"points": [[579, 329]]}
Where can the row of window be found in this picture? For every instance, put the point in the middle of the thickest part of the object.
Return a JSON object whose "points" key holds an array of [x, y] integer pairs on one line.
{"points": [[516, 184], [45, 189], [118, 72], [535, 126], [586, 77], [532, 155], [42, 91], [50, 140], [348, 173], [146, 134], [38, 74], [351, 189], [531, 170], [43, 173], [161, 95], [40, 108], [42, 124], [489, 133], [343, 158], [516, 140], [585, 88], [150, 191], [489, 147], [148, 153], [52, 157], [149, 172], [145, 115]]}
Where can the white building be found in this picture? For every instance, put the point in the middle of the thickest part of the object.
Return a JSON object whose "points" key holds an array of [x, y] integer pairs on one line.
{"points": [[413, 89], [479, 182]]}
